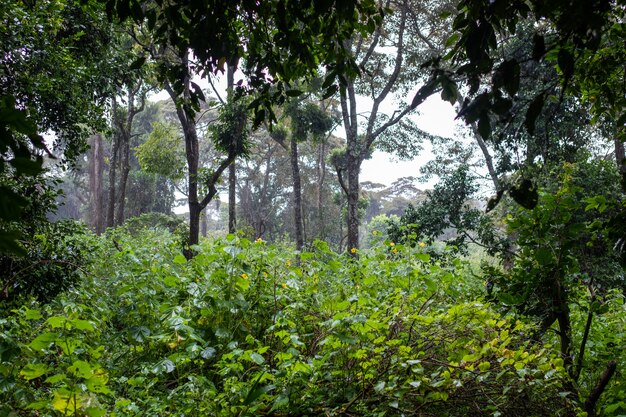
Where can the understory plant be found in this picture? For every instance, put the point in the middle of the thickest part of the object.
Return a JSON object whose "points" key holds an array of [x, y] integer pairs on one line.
{"points": [[248, 329]]}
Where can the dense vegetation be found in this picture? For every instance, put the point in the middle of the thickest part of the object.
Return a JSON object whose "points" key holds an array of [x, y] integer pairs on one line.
{"points": [[308, 292]]}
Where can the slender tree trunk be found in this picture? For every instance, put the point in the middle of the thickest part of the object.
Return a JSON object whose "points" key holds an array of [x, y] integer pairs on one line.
{"points": [[353, 164], [232, 198], [192, 154], [96, 170], [488, 159], [297, 194], [620, 159], [203, 222], [353, 202], [124, 153], [113, 161], [321, 176], [232, 169]]}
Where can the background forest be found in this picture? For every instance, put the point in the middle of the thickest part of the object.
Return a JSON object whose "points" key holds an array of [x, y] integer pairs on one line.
{"points": [[184, 230]]}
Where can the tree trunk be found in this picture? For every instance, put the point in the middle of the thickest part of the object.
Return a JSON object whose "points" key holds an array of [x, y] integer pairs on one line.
{"points": [[488, 159], [124, 154], [203, 222], [96, 169], [297, 195], [321, 176], [353, 201], [232, 197], [113, 161]]}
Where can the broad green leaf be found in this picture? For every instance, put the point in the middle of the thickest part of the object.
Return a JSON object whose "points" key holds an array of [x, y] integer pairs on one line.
{"points": [[208, 353], [66, 402], [180, 259], [81, 369], [256, 358], [83, 325], [34, 370], [33, 314], [44, 340]]}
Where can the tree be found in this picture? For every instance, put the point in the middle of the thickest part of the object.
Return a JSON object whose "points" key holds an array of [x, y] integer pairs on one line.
{"points": [[60, 61], [306, 118], [584, 42], [122, 121], [382, 57], [279, 43]]}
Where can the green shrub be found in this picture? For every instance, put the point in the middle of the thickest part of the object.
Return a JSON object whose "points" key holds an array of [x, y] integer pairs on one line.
{"points": [[243, 329]]}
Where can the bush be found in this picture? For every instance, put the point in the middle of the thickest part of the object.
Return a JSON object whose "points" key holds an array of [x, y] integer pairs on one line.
{"points": [[242, 329]]}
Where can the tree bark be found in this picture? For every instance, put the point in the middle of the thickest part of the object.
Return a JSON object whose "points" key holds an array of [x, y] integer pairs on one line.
{"points": [[96, 171], [321, 176], [113, 161], [297, 194], [124, 154], [203, 222], [232, 197], [594, 396], [232, 169], [488, 159]]}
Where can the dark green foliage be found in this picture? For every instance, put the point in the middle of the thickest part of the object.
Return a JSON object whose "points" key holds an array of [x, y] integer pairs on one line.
{"points": [[50, 253], [308, 118], [447, 209], [241, 330], [54, 255], [278, 43], [135, 226]]}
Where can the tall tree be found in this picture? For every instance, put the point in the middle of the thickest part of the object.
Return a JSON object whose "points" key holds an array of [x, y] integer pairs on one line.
{"points": [[406, 34], [122, 121], [306, 118], [96, 172]]}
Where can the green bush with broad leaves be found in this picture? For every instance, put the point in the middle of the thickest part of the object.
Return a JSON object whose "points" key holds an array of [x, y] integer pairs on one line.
{"points": [[247, 329]]}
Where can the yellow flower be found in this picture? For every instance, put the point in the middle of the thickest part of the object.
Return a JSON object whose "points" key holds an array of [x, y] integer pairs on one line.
{"points": [[284, 285], [353, 250], [394, 250], [265, 274], [244, 276], [392, 244], [259, 241], [422, 244]]}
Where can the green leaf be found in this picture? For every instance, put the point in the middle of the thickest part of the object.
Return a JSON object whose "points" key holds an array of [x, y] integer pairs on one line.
{"points": [[566, 62], [43, 341], [180, 259], [57, 322], [34, 370], [83, 325], [493, 201], [95, 412], [66, 402], [208, 353], [165, 365], [281, 401], [139, 333], [539, 47], [257, 358], [56, 378], [138, 63], [81, 369], [484, 126], [452, 40], [32, 314]]}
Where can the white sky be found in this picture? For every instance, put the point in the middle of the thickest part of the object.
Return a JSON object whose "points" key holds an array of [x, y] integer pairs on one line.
{"points": [[436, 117]]}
